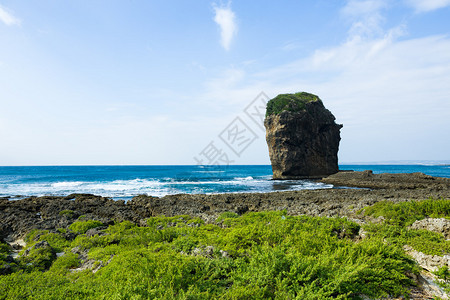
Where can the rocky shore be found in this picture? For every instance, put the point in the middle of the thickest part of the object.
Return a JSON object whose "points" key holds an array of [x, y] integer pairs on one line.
{"points": [[56, 214], [18, 217]]}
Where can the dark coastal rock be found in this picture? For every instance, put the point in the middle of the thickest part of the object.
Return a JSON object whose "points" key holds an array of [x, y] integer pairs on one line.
{"points": [[18, 217], [302, 136], [367, 179]]}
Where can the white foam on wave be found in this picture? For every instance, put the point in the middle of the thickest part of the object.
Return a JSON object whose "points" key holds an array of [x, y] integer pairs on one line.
{"points": [[174, 183], [309, 185], [64, 184], [117, 188], [244, 178], [134, 184], [162, 187]]}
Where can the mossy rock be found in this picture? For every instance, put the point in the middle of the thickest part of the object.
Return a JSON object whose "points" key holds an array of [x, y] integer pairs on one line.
{"points": [[67, 212], [290, 102]]}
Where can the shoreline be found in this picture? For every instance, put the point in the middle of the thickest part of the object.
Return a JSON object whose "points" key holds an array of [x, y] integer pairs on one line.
{"points": [[125, 182], [18, 217]]}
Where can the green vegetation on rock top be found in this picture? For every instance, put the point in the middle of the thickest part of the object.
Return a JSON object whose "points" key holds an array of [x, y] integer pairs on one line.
{"points": [[290, 102]]}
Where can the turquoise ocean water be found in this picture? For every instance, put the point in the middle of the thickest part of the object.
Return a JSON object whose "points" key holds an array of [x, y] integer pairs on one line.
{"points": [[124, 182]]}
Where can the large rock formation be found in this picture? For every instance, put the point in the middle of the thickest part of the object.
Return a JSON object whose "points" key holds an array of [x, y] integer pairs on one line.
{"points": [[302, 136]]}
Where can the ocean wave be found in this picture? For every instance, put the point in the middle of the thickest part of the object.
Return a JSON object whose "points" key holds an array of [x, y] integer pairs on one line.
{"points": [[116, 188], [65, 184], [244, 178], [129, 188], [117, 183]]}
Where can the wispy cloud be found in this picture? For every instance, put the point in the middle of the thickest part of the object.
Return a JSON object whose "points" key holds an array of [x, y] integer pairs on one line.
{"points": [[428, 5], [226, 19], [365, 16], [7, 17]]}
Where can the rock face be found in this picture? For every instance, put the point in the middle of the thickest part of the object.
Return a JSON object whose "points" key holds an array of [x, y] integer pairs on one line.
{"points": [[302, 136]]}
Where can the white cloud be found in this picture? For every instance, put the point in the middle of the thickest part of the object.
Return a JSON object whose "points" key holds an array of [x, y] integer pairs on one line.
{"points": [[365, 16], [226, 19], [427, 5], [7, 17]]}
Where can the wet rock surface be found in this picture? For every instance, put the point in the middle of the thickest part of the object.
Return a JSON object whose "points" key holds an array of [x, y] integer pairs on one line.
{"points": [[302, 136]]}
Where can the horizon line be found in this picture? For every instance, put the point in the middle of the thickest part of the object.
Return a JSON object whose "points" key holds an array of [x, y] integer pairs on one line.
{"points": [[393, 162]]}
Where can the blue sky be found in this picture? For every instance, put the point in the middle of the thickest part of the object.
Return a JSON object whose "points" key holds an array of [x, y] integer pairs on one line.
{"points": [[156, 82]]}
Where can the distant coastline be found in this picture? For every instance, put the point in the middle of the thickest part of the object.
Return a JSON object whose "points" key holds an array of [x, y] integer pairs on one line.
{"points": [[403, 162]]}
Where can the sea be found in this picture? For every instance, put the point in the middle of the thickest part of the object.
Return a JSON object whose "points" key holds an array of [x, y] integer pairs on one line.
{"points": [[125, 182]]}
